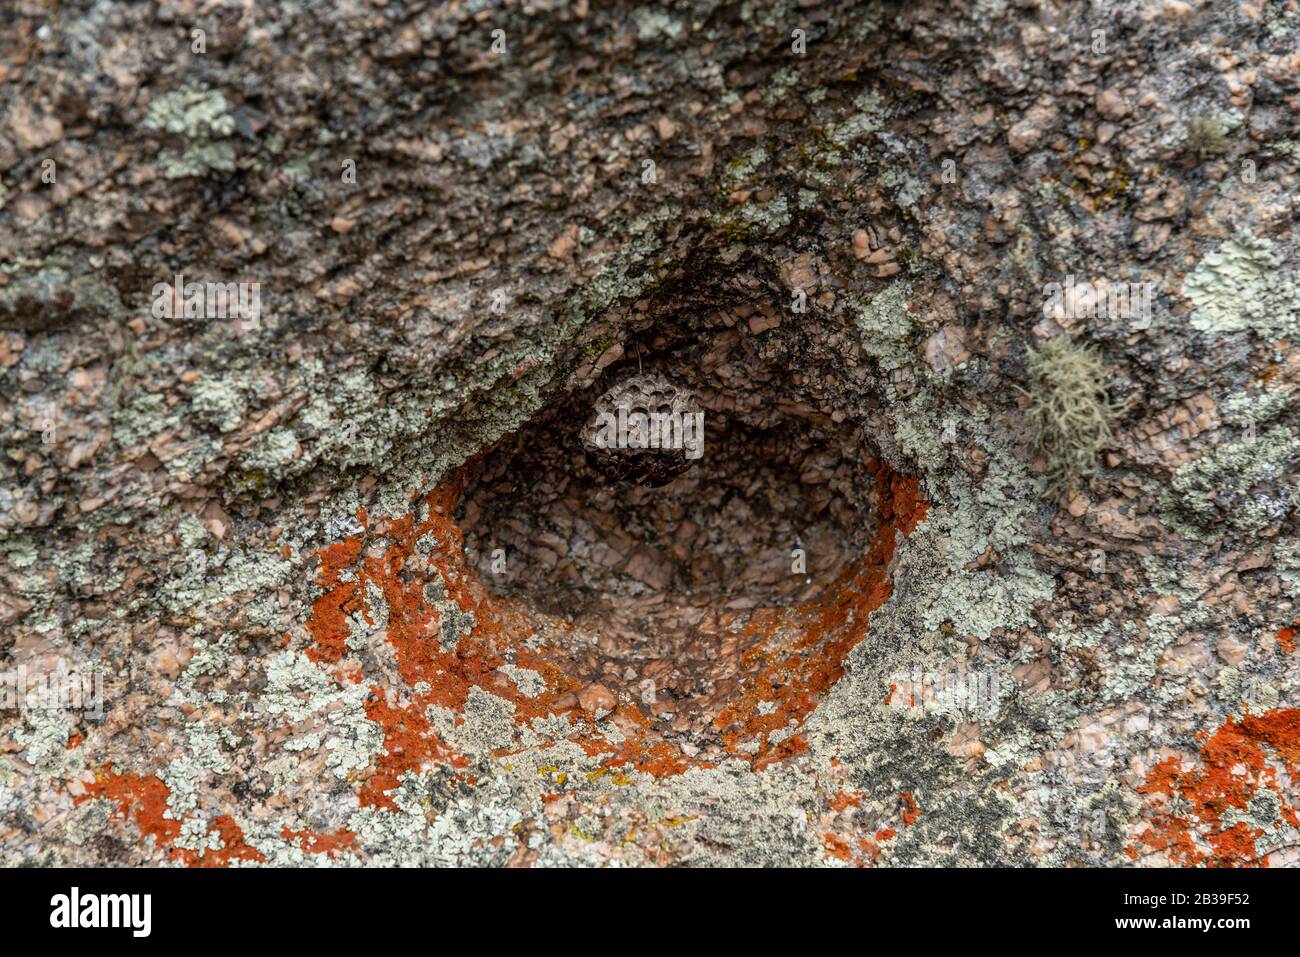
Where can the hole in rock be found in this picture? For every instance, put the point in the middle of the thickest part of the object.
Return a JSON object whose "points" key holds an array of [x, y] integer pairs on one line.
{"points": [[721, 603]]}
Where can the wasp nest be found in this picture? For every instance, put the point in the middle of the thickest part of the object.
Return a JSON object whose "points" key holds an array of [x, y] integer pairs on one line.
{"points": [[644, 430]]}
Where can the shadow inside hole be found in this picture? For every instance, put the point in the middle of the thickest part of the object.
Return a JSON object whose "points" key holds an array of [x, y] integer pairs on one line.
{"points": [[766, 517]]}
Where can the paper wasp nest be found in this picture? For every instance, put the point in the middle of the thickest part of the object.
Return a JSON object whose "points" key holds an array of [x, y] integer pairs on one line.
{"points": [[644, 430]]}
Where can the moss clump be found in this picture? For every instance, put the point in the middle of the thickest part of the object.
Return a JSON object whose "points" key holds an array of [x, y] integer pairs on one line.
{"points": [[1070, 411]]}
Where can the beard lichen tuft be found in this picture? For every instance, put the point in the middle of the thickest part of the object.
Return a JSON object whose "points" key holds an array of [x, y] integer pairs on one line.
{"points": [[1070, 410], [1207, 137]]}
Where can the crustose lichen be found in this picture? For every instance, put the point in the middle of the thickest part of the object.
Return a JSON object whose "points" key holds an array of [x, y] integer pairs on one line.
{"points": [[1070, 411]]}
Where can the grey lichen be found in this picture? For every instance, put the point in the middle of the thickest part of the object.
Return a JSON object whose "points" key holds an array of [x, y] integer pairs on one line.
{"points": [[141, 418], [299, 692], [200, 579], [528, 681], [46, 743]]}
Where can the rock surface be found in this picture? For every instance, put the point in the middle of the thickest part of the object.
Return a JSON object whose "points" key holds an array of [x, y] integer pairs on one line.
{"points": [[860, 630]]}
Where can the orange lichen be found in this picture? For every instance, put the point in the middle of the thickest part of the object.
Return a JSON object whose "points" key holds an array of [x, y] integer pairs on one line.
{"points": [[1239, 761], [409, 743], [853, 841], [800, 651], [329, 614], [837, 847], [660, 759], [315, 843], [144, 799], [1286, 640], [841, 800], [795, 654], [911, 811]]}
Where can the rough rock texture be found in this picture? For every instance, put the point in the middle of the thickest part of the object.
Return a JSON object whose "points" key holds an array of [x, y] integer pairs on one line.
{"points": [[837, 225]]}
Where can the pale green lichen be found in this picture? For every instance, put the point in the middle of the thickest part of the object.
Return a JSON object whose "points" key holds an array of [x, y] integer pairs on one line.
{"points": [[297, 690], [750, 219], [197, 160], [461, 834], [184, 775], [197, 835], [997, 514], [201, 580], [46, 744], [219, 401], [967, 517], [192, 112], [908, 189], [208, 660], [779, 85], [652, 23], [740, 169], [1260, 407], [1287, 555], [191, 531], [1241, 286], [1286, 148], [141, 418], [528, 681], [21, 551], [1242, 487], [76, 564], [273, 451], [489, 723], [200, 117], [808, 199], [870, 119], [885, 325]]}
